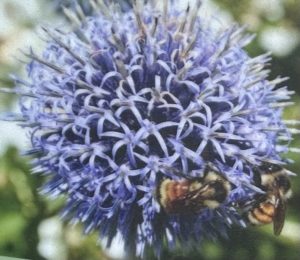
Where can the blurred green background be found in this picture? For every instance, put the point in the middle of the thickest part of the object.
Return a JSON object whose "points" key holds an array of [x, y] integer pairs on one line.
{"points": [[29, 223]]}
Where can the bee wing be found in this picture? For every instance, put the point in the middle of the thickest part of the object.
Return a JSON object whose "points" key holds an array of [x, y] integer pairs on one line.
{"points": [[191, 201], [203, 193], [279, 217], [247, 205], [184, 205]]}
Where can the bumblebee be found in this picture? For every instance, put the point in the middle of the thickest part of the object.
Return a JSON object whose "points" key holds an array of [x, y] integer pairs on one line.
{"points": [[191, 196], [270, 206]]}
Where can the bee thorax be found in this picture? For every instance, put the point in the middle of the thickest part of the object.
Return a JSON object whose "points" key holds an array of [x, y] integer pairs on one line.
{"points": [[212, 204]]}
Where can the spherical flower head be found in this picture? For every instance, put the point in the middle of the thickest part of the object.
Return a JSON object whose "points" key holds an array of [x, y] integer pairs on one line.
{"points": [[128, 100]]}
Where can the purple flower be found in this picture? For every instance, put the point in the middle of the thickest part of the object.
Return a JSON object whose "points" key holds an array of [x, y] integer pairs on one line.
{"points": [[112, 103]]}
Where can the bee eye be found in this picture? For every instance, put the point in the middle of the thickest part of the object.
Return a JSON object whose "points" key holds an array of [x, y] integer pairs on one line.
{"points": [[275, 168], [270, 168], [284, 183]]}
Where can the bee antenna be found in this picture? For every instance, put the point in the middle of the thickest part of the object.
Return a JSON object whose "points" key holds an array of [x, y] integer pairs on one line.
{"points": [[289, 173]]}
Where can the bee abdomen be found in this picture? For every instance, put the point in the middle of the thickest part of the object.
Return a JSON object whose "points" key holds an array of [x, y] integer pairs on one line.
{"points": [[170, 191], [267, 209], [176, 189], [262, 215]]}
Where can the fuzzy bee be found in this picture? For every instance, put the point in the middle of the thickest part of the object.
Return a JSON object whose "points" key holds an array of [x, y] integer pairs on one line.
{"points": [[190, 196], [270, 206]]}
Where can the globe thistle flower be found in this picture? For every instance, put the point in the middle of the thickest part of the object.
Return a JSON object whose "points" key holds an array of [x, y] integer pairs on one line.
{"points": [[113, 106]]}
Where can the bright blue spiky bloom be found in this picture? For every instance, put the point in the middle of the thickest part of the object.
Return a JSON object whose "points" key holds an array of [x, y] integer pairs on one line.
{"points": [[114, 104]]}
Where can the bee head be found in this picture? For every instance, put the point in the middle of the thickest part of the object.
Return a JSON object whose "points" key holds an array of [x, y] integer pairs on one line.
{"points": [[217, 182], [221, 190], [265, 175], [269, 168], [284, 185], [270, 177]]}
